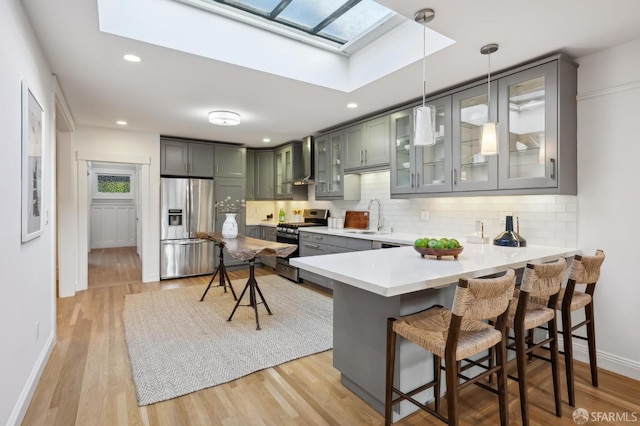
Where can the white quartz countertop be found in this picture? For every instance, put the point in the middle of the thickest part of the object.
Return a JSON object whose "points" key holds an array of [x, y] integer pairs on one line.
{"points": [[401, 270], [272, 223]]}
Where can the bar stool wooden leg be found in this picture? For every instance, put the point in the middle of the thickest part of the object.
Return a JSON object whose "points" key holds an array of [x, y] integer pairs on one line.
{"points": [[391, 362], [451, 374], [568, 355], [521, 361], [555, 367], [591, 340], [501, 360], [437, 377]]}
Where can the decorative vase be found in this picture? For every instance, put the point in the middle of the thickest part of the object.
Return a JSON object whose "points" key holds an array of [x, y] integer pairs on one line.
{"points": [[509, 237], [230, 226]]}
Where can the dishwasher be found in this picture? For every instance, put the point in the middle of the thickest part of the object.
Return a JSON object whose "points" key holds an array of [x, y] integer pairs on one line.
{"points": [[375, 245]]}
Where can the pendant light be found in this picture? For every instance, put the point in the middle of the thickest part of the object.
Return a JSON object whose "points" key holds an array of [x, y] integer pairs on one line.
{"points": [[489, 131], [424, 117]]}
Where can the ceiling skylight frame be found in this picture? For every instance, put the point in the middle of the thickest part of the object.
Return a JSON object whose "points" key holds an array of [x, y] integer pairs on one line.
{"points": [[259, 19]]}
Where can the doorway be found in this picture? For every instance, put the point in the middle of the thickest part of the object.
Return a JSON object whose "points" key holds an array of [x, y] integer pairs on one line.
{"points": [[114, 224]]}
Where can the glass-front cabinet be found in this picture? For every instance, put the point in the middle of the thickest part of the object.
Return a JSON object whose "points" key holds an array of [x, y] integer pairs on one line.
{"points": [[528, 128], [473, 171], [421, 169], [329, 168], [284, 171]]}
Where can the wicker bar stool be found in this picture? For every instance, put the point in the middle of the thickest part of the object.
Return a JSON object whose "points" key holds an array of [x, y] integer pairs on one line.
{"points": [[455, 335], [585, 270], [542, 282]]}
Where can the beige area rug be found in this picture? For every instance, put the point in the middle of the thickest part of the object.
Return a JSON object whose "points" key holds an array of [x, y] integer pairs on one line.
{"points": [[178, 345]]}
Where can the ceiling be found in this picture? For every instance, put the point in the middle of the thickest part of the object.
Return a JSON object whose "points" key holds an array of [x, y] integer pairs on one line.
{"points": [[171, 91]]}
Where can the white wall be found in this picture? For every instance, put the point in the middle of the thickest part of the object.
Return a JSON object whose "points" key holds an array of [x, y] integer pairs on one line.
{"points": [[608, 153], [108, 145], [28, 273]]}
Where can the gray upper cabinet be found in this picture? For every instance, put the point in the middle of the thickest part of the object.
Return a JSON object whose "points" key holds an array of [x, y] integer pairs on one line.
{"points": [[538, 131], [535, 107], [230, 161], [264, 175], [367, 145], [251, 179], [331, 182], [471, 170], [421, 169], [288, 167], [182, 158]]}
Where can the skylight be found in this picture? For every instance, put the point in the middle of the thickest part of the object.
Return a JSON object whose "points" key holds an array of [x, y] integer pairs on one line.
{"points": [[337, 23]]}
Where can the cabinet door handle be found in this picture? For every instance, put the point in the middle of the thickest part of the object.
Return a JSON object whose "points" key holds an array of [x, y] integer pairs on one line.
{"points": [[360, 156], [216, 168], [311, 245], [319, 238], [453, 176], [418, 180], [412, 180], [365, 156], [552, 171]]}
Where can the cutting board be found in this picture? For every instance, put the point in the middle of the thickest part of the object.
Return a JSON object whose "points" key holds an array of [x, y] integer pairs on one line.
{"points": [[356, 219]]}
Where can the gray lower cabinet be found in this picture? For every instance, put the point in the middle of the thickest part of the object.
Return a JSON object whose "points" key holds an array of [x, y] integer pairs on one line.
{"points": [[252, 231], [268, 233], [313, 244]]}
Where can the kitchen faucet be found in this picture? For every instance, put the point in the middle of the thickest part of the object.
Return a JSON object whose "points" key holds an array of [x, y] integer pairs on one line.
{"points": [[380, 218]]}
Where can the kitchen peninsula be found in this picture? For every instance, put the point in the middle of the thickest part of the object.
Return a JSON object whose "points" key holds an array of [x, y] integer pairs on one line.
{"points": [[370, 286]]}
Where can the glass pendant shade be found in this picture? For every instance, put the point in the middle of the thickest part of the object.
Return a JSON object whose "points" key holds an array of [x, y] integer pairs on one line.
{"points": [[489, 139], [424, 125]]}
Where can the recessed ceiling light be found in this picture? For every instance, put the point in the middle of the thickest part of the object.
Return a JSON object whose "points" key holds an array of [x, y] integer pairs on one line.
{"points": [[121, 123], [352, 105], [224, 118], [132, 58], [266, 140]]}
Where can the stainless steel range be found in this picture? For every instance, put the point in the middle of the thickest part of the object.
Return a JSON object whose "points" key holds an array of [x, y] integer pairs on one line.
{"points": [[288, 233]]}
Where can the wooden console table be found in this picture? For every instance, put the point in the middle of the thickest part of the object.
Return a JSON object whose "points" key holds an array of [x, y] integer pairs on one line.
{"points": [[247, 249]]}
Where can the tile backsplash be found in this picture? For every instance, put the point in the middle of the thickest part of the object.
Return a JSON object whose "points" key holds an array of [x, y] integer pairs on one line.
{"points": [[544, 219]]}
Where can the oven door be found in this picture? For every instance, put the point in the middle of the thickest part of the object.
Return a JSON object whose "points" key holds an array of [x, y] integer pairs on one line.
{"points": [[282, 263]]}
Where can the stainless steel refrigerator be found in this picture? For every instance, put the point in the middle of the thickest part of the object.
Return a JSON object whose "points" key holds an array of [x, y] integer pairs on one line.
{"points": [[187, 206]]}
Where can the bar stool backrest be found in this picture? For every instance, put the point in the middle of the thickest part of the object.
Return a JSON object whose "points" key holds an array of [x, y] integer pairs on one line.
{"points": [[586, 269], [483, 298], [542, 280]]}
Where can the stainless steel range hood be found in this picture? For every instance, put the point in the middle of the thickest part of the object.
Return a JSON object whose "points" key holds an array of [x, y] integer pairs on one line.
{"points": [[307, 161]]}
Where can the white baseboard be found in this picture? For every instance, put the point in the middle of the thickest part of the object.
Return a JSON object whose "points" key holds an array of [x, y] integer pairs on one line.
{"points": [[20, 409], [607, 361], [151, 278]]}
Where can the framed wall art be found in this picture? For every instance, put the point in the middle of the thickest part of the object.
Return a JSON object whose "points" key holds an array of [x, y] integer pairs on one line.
{"points": [[32, 164]]}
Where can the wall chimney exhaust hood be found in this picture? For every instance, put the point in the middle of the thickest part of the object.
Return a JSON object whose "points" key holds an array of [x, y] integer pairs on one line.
{"points": [[307, 162]]}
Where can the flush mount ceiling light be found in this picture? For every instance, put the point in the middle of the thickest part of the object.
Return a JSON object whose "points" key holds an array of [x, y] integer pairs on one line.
{"points": [[266, 140], [489, 131], [224, 118], [352, 105], [132, 58], [425, 115], [121, 123]]}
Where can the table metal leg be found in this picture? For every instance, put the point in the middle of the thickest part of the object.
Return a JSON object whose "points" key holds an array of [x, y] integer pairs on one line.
{"points": [[252, 285], [225, 281]]}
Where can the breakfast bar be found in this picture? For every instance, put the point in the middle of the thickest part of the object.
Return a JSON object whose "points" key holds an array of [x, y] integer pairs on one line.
{"points": [[370, 286]]}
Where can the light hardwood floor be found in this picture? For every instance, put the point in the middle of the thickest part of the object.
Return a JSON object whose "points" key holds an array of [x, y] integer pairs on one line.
{"points": [[113, 266], [87, 381]]}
